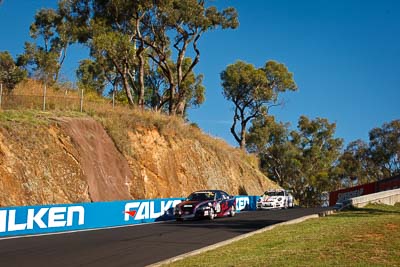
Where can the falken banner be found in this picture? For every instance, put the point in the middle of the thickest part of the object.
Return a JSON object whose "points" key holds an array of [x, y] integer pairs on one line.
{"points": [[33, 220]]}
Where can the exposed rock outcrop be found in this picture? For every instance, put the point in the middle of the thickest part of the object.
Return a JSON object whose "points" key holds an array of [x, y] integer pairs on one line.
{"points": [[69, 160]]}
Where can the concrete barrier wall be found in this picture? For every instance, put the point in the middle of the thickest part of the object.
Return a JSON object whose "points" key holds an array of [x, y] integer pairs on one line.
{"points": [[389, 197]]}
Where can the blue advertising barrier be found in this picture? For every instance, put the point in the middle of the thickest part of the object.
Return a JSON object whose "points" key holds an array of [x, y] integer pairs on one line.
{"points": [[246, 202], [29, 220]]}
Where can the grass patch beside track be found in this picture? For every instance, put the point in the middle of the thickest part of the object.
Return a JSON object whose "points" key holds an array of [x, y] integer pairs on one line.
{"points": [[359, 237]]}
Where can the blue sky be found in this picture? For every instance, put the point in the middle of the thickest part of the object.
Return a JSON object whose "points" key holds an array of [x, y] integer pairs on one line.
{"points": [[344, 54]]}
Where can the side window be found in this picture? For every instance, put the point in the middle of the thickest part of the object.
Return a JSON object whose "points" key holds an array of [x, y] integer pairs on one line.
{"points": [[219, 196]]}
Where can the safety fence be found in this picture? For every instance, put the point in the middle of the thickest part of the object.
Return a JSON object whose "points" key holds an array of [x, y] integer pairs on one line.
{"points": [[52, 102], [33, 220]]}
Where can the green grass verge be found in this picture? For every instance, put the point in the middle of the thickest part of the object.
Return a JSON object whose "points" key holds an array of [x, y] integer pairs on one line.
{"points": [[360, 237]]}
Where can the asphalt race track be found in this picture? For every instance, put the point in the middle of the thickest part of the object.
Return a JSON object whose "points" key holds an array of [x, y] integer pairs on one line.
{"points": [[138, 245]]}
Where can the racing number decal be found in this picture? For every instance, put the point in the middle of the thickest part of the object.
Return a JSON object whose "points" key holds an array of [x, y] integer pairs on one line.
{"points": [[218, 208]]}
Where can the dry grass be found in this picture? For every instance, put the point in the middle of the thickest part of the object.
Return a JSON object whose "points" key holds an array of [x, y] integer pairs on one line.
{"points": [[29, 94], [61, 100], [120, 120], [35, 88]]}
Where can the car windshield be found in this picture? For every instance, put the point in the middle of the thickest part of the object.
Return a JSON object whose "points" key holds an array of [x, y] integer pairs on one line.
{"points": [[274, 193], [201, 196]]}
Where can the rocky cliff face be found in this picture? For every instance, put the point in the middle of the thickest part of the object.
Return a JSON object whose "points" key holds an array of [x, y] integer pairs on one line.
{"points": [[69, 160], [169, 167]]}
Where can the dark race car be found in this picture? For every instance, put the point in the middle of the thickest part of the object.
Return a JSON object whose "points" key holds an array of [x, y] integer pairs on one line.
{"points": [[206, 204]]}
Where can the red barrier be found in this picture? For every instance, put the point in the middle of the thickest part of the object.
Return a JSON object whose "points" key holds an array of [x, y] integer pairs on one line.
{"points": [[347, 193], [388, 184], [365, 189]]}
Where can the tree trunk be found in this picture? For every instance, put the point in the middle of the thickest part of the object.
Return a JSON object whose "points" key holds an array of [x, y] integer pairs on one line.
{"points": [[233, 127], [243, 136], [127, 90], [180, 108], [172, 109], [141, 80]]}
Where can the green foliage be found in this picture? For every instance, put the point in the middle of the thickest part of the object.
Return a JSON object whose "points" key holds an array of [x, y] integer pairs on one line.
{"points": [[53, 33], [44, 64], [319, 153], [125, 37], [180, 24], [91, 76], [10, 73], [362, 162], [192, 86], [114, 50], [244, 84], [385, 148], [253, 91], [302, 161], [356, 165]]}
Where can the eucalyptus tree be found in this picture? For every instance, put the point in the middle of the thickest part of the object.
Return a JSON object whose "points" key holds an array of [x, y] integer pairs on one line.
{"points": [[128, 33], [253, 91], [270, 140], [320, 152], [356, 165], [177, 26], [363, 162], [384, 145], [91, 76], [53, 34], [302, 160], [118, 36], [10, 73]]}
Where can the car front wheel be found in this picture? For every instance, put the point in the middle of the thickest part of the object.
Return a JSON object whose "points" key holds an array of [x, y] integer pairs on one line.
{"points": [[211, 216], [232, 212], [285, 206]]}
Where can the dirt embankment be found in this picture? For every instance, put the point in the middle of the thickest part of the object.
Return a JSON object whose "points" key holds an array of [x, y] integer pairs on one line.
{"points": [[69, 160], [104, 167], [166, 166]]}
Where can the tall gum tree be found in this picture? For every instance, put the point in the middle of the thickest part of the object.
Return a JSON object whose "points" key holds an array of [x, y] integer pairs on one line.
{"points": [[253, 91], [303, 161], [180, 24], [112, 30], [363, 162], [53, 34], [154, 29]]}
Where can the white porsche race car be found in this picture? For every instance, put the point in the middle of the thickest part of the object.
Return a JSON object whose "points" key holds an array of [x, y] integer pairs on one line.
{"points": [[275, 199]]}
